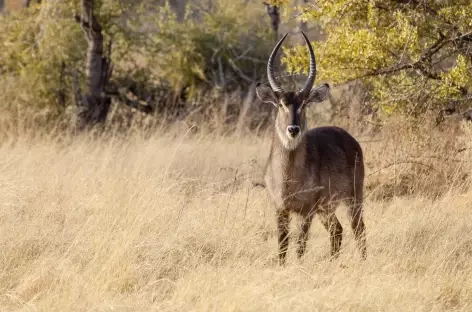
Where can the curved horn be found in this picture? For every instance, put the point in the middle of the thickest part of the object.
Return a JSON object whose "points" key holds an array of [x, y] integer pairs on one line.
{"points": [[270, 70], [312, 73]]}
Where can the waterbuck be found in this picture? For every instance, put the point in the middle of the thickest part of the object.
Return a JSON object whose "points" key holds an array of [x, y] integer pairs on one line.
{"points": [[309, 172]]}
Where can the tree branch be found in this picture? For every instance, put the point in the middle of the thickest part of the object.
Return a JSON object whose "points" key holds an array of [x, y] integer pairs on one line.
{"points": [[420, 63], [137, 104]]}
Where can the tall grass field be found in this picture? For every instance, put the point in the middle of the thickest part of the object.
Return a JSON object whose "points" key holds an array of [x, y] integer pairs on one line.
{"points": [[175, 221]]}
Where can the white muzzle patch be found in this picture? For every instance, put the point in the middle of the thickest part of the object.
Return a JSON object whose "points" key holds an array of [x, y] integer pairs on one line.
{"points": [[287, 140]]}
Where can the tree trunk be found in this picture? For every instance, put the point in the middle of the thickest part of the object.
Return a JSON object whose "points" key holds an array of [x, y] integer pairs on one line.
{"points": [[274, 14], [94, 105]]}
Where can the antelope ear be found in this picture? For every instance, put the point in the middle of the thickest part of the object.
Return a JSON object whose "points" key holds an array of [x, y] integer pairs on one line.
{"points": [[318, 95], [266, 95]]}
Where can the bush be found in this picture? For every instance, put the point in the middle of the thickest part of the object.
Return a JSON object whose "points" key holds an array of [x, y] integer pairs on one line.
{"points": [[35, 51], [220, 46], [413, 55], [155, 56]]}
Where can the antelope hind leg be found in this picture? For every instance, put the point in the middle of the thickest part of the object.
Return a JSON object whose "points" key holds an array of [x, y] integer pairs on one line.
{"points": [[358, 226], [335, 230]]}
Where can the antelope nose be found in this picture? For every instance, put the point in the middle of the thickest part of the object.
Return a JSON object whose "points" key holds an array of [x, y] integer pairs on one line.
{"points": [[293, 130]]}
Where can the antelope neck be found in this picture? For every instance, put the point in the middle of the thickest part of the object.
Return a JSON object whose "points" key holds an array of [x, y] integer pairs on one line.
{"points": [[289, 156]]}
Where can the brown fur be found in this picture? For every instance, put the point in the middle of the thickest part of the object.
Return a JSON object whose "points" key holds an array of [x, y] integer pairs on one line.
{"points": [[313, 176]]}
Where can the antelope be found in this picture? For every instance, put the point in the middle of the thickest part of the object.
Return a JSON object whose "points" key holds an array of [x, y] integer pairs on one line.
{"points": [[310, 172]]}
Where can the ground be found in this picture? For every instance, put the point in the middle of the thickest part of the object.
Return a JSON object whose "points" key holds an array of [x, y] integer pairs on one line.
{"points": [[174, 223]]}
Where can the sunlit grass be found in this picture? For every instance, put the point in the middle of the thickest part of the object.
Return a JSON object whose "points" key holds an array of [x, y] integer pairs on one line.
{"points": [[174, 223]]}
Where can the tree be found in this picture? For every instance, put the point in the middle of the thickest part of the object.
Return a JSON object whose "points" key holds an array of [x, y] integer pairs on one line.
{"points": [[53, 61], [93, 106], [413, 55], [273, 10]]}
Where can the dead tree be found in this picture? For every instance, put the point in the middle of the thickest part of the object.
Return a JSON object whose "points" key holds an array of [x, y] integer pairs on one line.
{"points": [[94, 104], [274, 13]]}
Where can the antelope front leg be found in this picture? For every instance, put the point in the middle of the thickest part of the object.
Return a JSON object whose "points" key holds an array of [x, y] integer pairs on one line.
{"points": [[303, 237], [283, 223]]}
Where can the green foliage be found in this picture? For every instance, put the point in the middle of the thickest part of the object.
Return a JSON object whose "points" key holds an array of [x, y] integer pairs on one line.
{"points": [[43, 50], [414, 54], [32, 50], [222, 46], [277, 2]]}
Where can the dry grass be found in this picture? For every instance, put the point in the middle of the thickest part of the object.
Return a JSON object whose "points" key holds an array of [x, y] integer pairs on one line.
{"points": [[172, 223]]}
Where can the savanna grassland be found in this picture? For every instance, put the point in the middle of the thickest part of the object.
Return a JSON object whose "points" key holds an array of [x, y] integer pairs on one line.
{"points": [[173, 222], [162, 208]]}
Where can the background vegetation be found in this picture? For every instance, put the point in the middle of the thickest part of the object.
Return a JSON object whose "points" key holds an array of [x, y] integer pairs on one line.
{"points": [[409, 57], [412, 56], [160, 60]]}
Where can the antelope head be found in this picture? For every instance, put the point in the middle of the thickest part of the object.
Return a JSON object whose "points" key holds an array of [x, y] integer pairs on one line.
{"points": [[290, 123]]}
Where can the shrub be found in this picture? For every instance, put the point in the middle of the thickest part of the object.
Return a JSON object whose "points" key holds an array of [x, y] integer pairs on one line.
{"points": [[414, 55], [155, 56], [221, 46]]}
